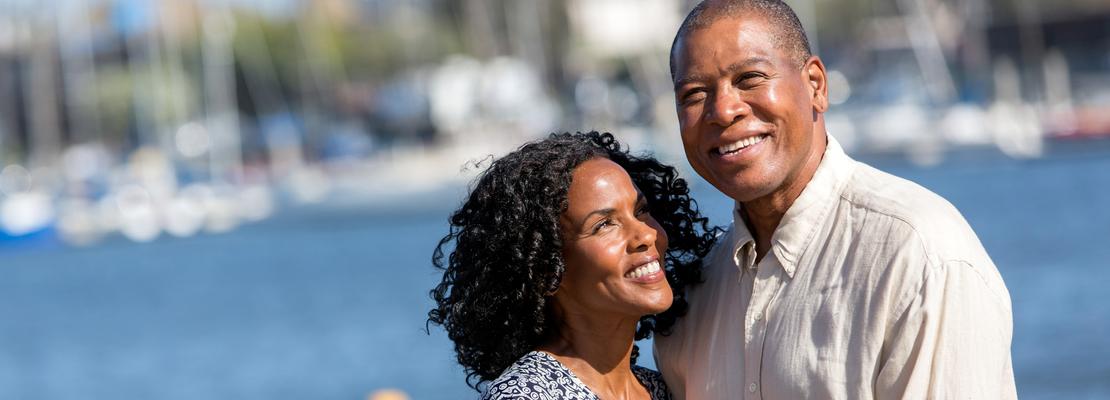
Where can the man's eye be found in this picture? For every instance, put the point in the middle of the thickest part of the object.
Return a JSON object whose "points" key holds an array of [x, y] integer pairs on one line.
{"points": [[693, 96], [750, 78]]}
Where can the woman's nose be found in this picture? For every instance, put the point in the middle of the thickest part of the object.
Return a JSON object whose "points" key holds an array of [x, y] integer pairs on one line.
{"points": [[644, 238]]}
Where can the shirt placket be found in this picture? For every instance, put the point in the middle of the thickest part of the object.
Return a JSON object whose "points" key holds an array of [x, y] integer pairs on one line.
{"points": [[765, 285]]}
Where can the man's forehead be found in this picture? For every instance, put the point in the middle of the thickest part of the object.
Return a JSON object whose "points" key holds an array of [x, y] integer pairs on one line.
{"points": [[745, 43], [728, 29]]}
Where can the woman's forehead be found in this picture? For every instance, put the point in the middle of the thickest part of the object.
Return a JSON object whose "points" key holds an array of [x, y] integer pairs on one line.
{"points": [[600, 180]]}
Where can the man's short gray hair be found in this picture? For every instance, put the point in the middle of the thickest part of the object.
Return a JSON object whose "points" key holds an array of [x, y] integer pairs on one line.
{"points": [[790, 36]]}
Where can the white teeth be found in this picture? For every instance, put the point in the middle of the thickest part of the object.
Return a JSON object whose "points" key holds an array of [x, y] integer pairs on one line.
{"points": [[646, 269], [739, 144]]}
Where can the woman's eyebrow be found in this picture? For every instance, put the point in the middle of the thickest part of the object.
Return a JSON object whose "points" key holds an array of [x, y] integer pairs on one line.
{"points": [[601, 211], [610, 210]]}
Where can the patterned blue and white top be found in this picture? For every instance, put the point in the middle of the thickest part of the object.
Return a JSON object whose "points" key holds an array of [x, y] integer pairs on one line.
{"points": [[539, 376]]}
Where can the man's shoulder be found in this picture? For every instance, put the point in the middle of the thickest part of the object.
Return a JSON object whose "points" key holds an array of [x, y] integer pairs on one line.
{"points": [[909, 212], [882, 192], [716, 270], [913, 232]]}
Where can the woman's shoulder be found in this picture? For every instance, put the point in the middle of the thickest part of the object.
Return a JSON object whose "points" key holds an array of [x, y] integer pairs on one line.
{"points": [[537, 375], [653, 382]]}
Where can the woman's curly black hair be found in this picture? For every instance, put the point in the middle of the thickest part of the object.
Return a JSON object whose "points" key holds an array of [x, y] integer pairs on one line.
{"points": [[506, 258]]}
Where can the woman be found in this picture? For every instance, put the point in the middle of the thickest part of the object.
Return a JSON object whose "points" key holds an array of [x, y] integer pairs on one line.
{"points": [[558, 265]]}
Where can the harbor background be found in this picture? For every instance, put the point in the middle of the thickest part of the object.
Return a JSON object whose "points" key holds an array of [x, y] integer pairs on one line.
{"points": [[239, 199]]}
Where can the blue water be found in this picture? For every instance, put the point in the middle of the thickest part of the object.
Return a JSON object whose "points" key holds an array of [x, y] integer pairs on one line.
{"points": [[330, 303]]}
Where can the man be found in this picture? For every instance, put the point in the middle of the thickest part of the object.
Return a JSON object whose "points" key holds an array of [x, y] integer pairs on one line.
{"points": [[836, 280]]}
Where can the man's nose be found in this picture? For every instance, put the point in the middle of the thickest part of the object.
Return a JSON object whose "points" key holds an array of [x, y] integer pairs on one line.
{"points": [[727, 107]]}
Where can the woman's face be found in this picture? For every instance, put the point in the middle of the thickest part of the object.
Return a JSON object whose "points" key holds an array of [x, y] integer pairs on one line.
{"points": [[612, 247]]}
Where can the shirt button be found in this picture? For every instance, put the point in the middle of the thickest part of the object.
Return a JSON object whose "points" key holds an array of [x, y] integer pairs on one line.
{"points": [[758, 316], [753, 387]]}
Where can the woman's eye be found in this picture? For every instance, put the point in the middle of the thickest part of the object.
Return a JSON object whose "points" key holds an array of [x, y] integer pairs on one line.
{"points": [[603, 224], [643, 210]]}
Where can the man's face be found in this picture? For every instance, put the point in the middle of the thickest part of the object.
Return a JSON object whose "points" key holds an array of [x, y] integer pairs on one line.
{"points": [[746, 108]]}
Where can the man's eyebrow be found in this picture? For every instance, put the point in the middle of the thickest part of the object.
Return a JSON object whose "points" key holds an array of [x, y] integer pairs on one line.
{"points": [[687, 79], [748, 63]]}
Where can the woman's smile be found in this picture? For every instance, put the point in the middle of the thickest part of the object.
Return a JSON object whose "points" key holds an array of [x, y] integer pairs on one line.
{"points": [[649, 272]]}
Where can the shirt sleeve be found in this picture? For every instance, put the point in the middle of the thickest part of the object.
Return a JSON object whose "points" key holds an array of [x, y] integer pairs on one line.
{"points": [[952, 341], [666, 364]]}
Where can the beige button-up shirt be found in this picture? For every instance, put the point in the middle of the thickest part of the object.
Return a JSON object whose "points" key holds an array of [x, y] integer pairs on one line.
{"points": [[874, 288]]}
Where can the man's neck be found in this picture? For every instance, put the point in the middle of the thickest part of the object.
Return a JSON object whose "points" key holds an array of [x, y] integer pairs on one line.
{"points": [[762, 220], [763, 215]]}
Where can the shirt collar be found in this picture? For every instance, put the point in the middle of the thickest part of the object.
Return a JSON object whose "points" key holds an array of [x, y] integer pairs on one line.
{"points": [[804, 217], [741, 238]]}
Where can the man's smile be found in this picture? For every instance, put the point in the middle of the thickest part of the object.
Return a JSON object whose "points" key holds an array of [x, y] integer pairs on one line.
{"points": [[742, 144]]}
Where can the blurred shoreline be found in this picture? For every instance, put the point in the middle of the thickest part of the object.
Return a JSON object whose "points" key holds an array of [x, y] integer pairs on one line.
{"points": [[402, 185]]}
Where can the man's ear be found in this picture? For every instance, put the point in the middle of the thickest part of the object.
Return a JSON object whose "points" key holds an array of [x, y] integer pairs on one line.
{"points": [[814, 73]]}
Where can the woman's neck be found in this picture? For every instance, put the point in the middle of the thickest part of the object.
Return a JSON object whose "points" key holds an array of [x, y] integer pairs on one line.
{"points": [[598, 350]]}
